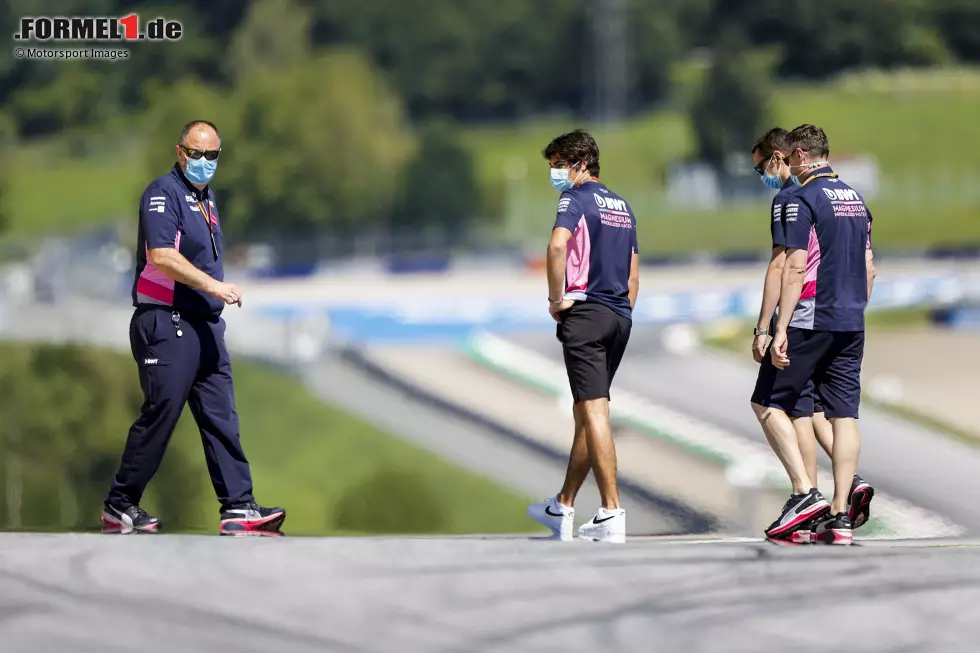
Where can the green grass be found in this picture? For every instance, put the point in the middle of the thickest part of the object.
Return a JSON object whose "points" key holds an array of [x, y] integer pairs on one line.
{"points": [[907, 122], [927, 196]]}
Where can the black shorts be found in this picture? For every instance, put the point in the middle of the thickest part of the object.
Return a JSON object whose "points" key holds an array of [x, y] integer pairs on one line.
{"points": [[593, 339], [828, 360]]}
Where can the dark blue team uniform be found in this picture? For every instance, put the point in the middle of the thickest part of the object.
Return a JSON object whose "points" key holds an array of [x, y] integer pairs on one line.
{"points": [[177, 337], [830, 220], [594, 332], [809, 402]]}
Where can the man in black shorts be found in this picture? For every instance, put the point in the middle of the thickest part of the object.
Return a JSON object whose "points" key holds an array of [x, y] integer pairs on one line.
{"points": [[826, 284], [769, 156], [593, 280]]}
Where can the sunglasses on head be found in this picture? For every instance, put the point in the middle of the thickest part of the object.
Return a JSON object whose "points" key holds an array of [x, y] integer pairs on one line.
{"points": [[210, 155]]}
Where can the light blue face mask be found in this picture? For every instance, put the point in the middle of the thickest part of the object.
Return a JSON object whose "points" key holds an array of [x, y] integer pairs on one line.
{"points": [[200, 171], [559, 179], [772, 181]]}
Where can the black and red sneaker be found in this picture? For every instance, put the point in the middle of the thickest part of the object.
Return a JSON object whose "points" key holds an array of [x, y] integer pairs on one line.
{"points": [[798, 512], [835, 529], [250, 517], [128, 520], [859, 502]]}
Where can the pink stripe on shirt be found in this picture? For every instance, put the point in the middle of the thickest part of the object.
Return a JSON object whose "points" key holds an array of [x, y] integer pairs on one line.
{"points": [[812, 264], [153, 284], [577, 262]]}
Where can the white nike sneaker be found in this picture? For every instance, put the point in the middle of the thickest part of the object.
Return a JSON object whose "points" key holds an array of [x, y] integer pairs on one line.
{"points": [[555, 516], [605, 526]]}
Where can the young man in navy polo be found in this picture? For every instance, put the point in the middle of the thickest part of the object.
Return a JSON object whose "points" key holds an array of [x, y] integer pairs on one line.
{"points": [[593, 281], [769, 156], [177, 337], [826, 283]]}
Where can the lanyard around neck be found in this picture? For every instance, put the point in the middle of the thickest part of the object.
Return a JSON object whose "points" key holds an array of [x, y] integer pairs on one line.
{"points": [[207, 218]]}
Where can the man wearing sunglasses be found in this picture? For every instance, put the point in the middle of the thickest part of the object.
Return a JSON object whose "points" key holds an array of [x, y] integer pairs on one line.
{"points": [[769, 156], [177, 337], [826, 283]]}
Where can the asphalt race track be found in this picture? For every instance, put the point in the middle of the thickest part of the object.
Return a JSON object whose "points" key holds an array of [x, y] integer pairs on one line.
{"points": [[82, 593]]}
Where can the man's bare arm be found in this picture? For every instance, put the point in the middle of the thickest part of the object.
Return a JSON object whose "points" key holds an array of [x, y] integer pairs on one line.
{"points": [[794, 269], [173, 264], [869, 263], [556, 256], [771, 288], [634, 283]]}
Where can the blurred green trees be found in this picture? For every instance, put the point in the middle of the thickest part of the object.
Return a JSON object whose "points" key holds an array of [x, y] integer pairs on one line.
{"points": [[730, 111], [62, 410], [473, 60], [341, 92], [438, 187]]}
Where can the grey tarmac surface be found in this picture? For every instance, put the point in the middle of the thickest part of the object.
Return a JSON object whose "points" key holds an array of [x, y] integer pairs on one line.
{"points": [[163, 593]]}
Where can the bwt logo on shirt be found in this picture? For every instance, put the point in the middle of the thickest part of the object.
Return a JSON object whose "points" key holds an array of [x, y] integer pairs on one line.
{"points": [[609, 203], [842, 194], [96, 28]]}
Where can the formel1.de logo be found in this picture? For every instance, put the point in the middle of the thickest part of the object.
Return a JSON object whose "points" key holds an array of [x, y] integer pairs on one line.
{"points": [[97, 28]]}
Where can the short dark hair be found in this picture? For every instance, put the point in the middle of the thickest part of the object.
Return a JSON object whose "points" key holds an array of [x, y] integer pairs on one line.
{"points": [[776, 138], [810, 138], [575, 147], [194, 123]]}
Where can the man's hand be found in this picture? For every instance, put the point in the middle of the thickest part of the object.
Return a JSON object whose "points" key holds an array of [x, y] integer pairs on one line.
{"points": [[226, 292], [759, 348], [780, 343], [555, 309]]}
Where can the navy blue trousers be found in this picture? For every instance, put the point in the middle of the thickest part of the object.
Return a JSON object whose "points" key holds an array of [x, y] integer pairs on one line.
{"points": [[174, 370]]}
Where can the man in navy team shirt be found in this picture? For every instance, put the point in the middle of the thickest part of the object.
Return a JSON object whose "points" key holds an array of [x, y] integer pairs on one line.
{"points": [[769, 156], [826, 282], [593, 280], [177, 336]]}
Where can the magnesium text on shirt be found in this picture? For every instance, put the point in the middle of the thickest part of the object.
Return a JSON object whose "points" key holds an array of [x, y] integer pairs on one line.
{"points": [[95, 28]]}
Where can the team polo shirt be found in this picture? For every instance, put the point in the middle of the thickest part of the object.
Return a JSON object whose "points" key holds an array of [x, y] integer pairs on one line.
{"points": [[600, 251], [778, 224], [830, 220], [171, 216]]}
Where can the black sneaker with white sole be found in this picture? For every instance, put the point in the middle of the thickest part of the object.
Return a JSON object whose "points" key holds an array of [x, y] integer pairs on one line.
{"points": [[128, 520], [859, 502], [834, 529], [798, 512], [250, 517]]}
